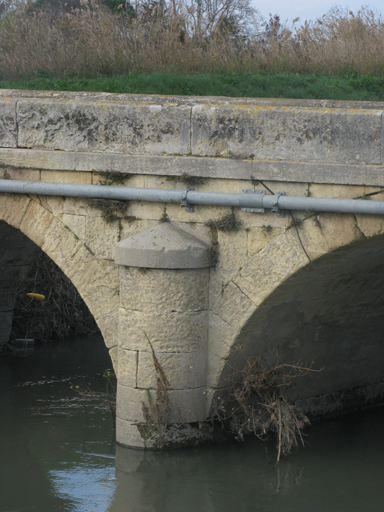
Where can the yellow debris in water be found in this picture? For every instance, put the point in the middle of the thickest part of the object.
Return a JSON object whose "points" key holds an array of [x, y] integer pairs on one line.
{"points": [[36, 296]]}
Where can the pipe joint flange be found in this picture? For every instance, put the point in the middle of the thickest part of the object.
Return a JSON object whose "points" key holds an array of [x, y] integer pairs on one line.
{"points": [[184, 201], [275, 204]]}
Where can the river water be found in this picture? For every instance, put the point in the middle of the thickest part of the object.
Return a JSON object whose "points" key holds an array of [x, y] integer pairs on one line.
{"points": [[57, 453]]}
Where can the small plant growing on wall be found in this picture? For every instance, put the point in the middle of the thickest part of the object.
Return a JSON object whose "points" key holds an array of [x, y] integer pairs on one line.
{"points": [[227, 223]]}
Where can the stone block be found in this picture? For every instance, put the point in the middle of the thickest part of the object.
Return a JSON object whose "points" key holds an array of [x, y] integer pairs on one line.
{"points": [[8, 123], [13, 208], [259, 237], [233, 248], [168, 332], [163, 246], [131, 226], [113, 354], [11, 173], [337, 191], [232, 305], [182, 370], [269, 267], [128, 434], [164, 290], [146, 210], [130, 181], [128, 362], [130, 402], [187, 405], [201, 214], [287, 133], [80, 125], [76, 224], [76, 177], [221, 337], [370, 225], [101, 237], [36, 222]]}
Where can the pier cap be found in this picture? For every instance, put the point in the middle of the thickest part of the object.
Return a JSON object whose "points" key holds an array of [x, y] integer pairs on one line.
{"points": [[163, 246]]}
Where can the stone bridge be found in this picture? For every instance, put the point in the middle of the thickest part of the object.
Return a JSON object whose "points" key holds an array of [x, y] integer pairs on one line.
{"points": [[205, 297]]}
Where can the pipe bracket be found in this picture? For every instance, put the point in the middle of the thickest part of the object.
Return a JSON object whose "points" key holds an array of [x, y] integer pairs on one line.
{"points": [[275, 204], [253, 210], [184, 201]]}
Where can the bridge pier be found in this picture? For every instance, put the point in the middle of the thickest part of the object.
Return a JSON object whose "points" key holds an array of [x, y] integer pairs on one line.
{"points": [[163, 330]]}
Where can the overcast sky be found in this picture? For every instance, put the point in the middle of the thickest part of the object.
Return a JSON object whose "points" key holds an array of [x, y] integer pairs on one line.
{"points": [[309, 9]]}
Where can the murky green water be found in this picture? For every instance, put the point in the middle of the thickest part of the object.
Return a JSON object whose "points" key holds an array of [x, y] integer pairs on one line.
{"points": [[57, 456]]}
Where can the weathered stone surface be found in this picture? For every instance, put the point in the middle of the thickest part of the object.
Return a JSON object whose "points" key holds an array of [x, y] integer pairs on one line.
{"points": [[168, 332], [81, 178], [13, 208], [11, 173], [8, 123], [76, 224], [132, 128], [233, 248], [101, 237], [317, 135], [370, 225], [36, 222], [164, 290], [232, 305], [163, 246], [128, 434], [259, 237], [130, 403], [186, 406], [182, 370], [218, 168], [127, 374]]}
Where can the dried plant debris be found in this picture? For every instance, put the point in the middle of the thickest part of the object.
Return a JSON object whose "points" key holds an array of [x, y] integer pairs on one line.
{"points": [[156, 411], [111, 178], [228, 223], [112, 209], [63, 313], [190, 181], [255, 404]]}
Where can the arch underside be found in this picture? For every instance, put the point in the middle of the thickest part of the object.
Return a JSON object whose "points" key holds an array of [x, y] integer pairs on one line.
{"points": [[34, 224], [333, 321]]}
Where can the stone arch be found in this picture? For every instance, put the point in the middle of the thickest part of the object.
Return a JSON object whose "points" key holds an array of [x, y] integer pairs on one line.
{"points": [[96, 280], [283, 304]]}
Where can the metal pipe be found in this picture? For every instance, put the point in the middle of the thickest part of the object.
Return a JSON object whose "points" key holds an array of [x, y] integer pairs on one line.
{"points": [[188, 196]]}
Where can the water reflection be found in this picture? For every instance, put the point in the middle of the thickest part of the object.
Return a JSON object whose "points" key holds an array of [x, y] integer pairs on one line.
{"points": [[57, 455]]}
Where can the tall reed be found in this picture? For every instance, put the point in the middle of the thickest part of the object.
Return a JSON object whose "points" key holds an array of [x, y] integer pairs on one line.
{"points": [[91, 41]]}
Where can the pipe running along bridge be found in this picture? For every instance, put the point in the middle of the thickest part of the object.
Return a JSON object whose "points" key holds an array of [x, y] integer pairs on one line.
{"points": [[303, 275]]}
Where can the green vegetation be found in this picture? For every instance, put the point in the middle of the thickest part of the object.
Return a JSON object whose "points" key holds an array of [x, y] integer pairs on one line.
{"points": [[257, 85], [190, 47]]}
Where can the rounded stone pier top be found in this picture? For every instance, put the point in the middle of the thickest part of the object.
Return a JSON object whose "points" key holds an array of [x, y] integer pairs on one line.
{"points": [[163, 246]]}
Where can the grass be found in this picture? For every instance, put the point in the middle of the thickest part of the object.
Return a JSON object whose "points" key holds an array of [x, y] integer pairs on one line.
{"points": [[90, 48], [252, 85]]}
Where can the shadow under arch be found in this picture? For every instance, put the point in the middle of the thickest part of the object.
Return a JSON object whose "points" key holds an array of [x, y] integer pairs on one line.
{"points": [[95, 280], [334, 319]]}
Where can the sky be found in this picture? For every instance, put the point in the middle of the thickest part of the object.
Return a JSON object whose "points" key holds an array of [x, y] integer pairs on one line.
{"points": [[309, 9]]}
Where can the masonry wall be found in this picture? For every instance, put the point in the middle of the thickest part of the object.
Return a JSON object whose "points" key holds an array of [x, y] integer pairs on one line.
{"points": [[304, 148]]}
